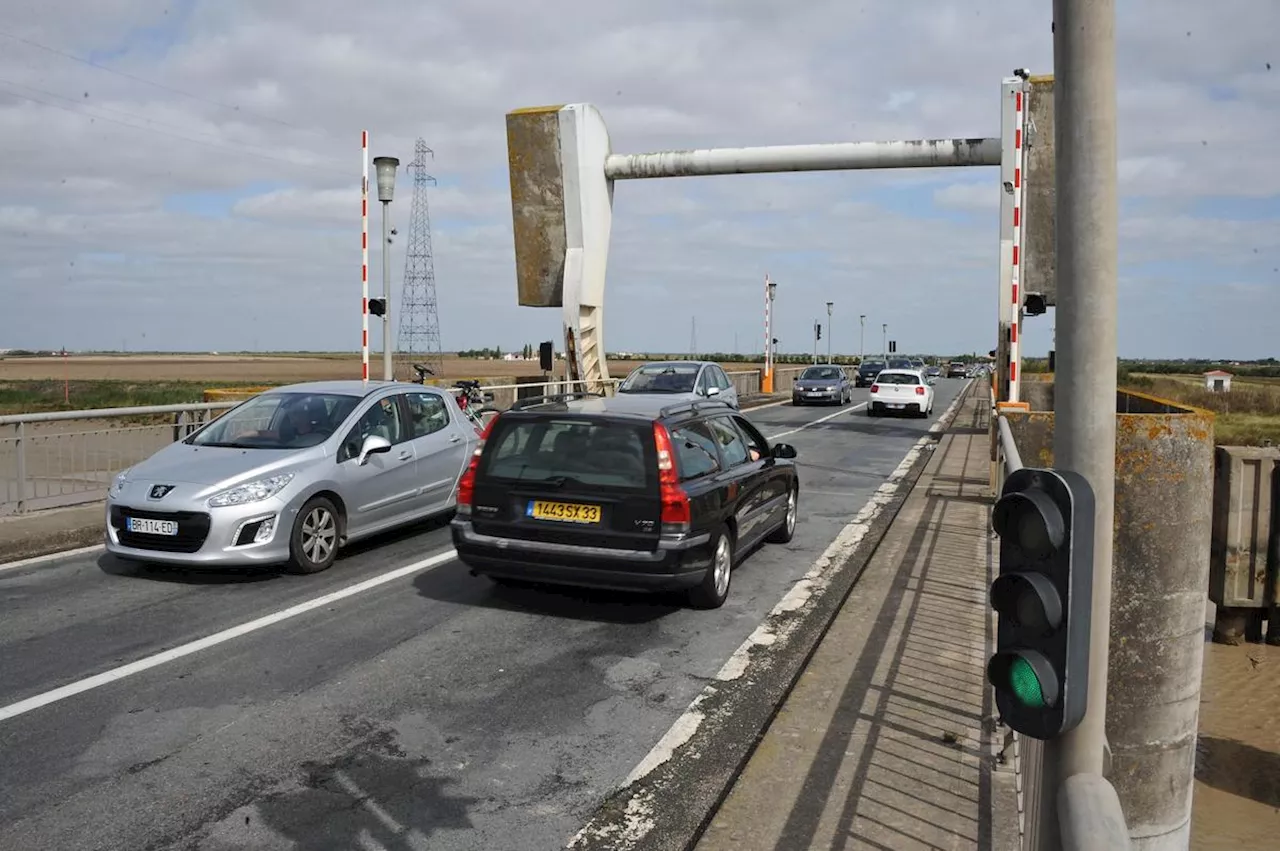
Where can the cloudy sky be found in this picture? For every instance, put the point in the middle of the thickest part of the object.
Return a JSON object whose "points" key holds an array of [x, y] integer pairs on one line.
{"points": [[184, 175]]}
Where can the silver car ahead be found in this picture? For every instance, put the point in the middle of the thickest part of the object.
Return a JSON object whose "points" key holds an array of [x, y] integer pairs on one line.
{"points": [[822, 383], [293, 474], [685, 380]]}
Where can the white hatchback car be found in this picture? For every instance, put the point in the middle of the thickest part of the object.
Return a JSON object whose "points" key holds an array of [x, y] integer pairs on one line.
{"points": [[901, 391]]}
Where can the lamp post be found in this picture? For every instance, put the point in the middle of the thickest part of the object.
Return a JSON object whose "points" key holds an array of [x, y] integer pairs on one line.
{"points": [[884, 340], [862, 338], [386, 168], [829, 306]]}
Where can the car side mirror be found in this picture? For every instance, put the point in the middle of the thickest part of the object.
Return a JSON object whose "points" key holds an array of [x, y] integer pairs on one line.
{"points": [[784, 450], [713, 391], [374, 444]]}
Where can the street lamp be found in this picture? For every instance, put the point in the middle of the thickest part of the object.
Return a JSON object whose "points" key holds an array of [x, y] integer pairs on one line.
{"points": [[386, 167], [770, 353], [862, 338], [829, 305], [884, 340]]}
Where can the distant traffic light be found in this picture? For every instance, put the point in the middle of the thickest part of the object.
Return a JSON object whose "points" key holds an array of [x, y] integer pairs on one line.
{"points": [[817, 330], [1043, 596], [546, 356], [377, 306], [893, 346]]}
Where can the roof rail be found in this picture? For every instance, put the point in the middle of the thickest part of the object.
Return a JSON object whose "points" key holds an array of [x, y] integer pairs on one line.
{"points": [[532, 401], [694, 406]]}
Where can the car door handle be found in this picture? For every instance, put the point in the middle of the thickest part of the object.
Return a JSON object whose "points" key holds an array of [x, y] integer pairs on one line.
{"points": [[454, 438], [405, 456]]}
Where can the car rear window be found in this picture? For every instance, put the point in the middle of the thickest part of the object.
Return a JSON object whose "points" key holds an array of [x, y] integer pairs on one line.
{"points": [[819, 373], [593, 452], [897, 378], [872, 365]]}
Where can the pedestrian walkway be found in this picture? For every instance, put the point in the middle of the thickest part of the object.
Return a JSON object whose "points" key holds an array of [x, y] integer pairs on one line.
{"points": [[889, 740]]}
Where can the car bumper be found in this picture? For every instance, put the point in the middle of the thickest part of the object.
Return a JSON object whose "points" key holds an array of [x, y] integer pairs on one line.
{"points": [[902, 407], [799, 396], [206, 536], [676, 564]]}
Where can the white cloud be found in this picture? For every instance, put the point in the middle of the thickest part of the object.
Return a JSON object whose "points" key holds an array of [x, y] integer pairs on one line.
{"points": [[264, 158]]}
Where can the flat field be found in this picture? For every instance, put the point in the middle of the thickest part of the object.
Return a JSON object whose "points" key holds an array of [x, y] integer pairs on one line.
{"points": [[31, 384], [1249, 415]]}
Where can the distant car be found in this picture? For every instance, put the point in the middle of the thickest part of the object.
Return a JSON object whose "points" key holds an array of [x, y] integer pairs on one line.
{"points": [[867, 372], [822, 383], [932, 373], [625, 493], [957, 369], [903, 391], [681, 380], [292, 475]]}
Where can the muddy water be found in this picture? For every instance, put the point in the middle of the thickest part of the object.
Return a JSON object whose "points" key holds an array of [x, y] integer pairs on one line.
{"points": [[1237, 794]]}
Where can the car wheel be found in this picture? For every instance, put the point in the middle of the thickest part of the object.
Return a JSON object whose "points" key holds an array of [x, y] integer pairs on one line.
{"points": [[313, 544], [784, 533], [714, 588]]}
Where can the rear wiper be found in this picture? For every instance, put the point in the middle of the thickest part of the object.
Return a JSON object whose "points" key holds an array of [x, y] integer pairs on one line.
{"points": [[556, 481]]}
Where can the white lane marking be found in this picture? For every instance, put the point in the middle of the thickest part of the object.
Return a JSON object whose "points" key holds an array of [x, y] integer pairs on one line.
{"points": [[857, 407], [63, 692], [28, 562], [637, 818]]}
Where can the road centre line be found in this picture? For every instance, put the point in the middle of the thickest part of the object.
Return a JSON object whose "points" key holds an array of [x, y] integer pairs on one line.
{"points": [[115, 674], [857, 407]]}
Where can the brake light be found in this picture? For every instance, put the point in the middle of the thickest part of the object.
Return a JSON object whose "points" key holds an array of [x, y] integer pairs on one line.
{"points": [[467, 484], [875, 388], [675, 502], [919, 391]]}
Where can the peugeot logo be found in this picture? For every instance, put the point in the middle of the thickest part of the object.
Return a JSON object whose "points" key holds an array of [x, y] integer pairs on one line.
{"points": [[159, 491]]}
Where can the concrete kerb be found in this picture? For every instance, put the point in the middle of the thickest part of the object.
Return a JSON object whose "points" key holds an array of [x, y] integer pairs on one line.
{"points": [[26, 539], [669, 798]]}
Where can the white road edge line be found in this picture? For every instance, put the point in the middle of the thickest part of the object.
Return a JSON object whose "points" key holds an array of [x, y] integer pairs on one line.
{"points": [[62, 693], [28, 562], [639, 809], [857, 407]]}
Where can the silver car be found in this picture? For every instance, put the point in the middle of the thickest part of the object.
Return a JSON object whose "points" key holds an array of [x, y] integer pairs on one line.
{"points": [[681, 380], [293, 474], [822, 383]]}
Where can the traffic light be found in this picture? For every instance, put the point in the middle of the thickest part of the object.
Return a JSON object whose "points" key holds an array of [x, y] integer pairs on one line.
{"points": [[817, 330], [546, 356], [893, 346], [377, 306], [1034, 304], [1043, 596]]}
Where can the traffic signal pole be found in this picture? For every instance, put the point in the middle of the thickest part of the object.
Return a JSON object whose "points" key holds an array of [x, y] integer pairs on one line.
{"points": [[1085, 386]]}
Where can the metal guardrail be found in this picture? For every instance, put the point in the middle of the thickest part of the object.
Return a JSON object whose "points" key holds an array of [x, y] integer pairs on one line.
{"points": [[66, 458], [1087, 811]]}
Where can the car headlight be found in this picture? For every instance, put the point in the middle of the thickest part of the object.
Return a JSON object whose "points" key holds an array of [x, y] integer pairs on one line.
{"points": [[118, 483], [251, 492]]}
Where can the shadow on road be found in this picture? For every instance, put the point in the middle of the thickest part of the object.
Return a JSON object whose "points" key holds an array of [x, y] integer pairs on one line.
{"points": [[1239, 769], [582, 604]]}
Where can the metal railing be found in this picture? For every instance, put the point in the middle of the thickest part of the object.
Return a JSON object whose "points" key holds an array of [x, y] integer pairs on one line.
{"points": [[67, 458], [1087, 810]]}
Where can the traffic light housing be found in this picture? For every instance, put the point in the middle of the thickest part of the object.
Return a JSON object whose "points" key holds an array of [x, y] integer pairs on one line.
{"points": [[893, 346], [1035, 304], [546, 356], [817, 330], [1043, 597], [377, 306]]}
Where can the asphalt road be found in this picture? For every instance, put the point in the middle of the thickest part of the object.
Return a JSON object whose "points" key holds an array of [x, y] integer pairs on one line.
{"points": [[433, 710]]}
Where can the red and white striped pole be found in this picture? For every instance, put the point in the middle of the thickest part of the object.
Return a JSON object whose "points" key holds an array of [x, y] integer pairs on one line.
{"points": [[766, 383], [1019, 153], [364, 257]]}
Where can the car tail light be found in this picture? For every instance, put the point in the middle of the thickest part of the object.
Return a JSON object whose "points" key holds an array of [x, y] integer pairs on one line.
{"points": [[875, 388], [919, 391], [467, 484], [675, 502]]}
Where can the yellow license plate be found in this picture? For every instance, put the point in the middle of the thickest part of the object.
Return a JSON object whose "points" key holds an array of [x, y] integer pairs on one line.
{"points": [[565, 512]]}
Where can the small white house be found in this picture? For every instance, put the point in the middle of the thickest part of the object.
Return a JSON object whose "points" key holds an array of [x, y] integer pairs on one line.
{"points": [[1218, 381]]}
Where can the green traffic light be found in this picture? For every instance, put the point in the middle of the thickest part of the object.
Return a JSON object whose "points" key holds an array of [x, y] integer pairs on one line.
{"points": [[1025, 684]]}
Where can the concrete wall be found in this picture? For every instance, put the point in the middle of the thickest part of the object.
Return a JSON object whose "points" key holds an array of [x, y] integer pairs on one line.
{"points": [[1164, 488]]}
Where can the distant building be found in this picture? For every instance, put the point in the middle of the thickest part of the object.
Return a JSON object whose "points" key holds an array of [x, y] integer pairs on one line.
{"points": [[1217, 381]]}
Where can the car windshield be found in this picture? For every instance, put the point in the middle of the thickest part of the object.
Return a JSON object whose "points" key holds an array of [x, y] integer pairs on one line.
{"points": [[554, 451], [662, 378], [897, 378], [278, 421], [829, 373]]}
